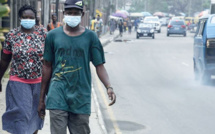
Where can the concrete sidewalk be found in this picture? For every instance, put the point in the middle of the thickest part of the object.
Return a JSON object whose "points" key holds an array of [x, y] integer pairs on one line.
{"points": [[96, 121]]}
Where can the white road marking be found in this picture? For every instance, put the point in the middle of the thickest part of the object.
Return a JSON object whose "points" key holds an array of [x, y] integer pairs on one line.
{"points": [[183, 63]]}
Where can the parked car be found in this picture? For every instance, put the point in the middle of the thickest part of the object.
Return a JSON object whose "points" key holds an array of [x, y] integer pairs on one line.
{"points": [[176, 27], [145, 30], [155, 21], [164, 21], [204, 48]]}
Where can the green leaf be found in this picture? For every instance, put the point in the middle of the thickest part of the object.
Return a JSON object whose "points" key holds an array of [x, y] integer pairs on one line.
{"points": [[4, 10], [3, 1]]}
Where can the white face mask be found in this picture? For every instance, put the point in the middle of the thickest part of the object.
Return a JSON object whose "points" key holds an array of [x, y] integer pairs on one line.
{"points": [[72, 21]]}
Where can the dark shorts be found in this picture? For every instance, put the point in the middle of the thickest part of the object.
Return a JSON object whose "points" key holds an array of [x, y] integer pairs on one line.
{"points": [[77, 123], [21, 115]]}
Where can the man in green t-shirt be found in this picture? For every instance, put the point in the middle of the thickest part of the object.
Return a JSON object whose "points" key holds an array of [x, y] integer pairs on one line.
{"points": [[66, 73]]}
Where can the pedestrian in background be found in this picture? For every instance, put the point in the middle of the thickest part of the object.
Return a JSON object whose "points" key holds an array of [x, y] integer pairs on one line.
{"points": [[120, 26], [23, 46], [98, 26], [66, 73], [54, 24], [124, 25], [92, 24], [136, 23], [112, 26], [38, 22], [129, 26]]}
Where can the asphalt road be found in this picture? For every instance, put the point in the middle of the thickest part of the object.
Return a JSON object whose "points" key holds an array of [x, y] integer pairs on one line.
{"points": [[155, 87]]}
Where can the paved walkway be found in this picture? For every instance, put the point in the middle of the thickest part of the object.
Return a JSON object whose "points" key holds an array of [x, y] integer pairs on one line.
{"points": [[96, 121]]}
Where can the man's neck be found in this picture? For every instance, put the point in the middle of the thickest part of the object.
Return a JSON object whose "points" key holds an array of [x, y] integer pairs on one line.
{"points": [[54, 22], [72, 29], [76, 31]]}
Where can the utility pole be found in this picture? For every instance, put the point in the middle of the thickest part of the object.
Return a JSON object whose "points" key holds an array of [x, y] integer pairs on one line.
{"points": [[57, 6], [108, 12], [189, 12], [145, 5], [116, 4], [45, 12], [92, 8]]}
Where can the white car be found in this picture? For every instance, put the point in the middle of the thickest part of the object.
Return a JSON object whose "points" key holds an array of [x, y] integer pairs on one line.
{"points": [[155, 21], [164, 21]]}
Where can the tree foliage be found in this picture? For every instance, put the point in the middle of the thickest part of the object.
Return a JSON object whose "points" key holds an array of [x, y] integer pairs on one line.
{"points": [[170, 6]]}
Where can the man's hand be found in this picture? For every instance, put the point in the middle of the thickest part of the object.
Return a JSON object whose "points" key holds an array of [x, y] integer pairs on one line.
{"points": [[41, 110], [0, 87], [111, 96]]}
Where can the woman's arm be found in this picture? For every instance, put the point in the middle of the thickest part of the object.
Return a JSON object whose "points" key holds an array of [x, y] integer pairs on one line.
{"points": [[4, 63]]}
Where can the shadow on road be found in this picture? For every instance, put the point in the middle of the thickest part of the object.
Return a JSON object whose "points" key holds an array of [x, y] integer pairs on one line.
{"points": [[210, 83], [130, 126]]}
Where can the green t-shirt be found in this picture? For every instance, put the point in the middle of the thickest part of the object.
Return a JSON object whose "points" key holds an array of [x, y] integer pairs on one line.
{"points": [[70, 86]]}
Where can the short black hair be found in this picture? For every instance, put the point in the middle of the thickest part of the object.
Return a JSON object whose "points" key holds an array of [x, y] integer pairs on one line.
{"points": [[26, 7]]}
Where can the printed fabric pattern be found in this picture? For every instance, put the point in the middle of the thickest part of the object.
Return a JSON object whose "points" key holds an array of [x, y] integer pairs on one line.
{"points": [[27, 51]]}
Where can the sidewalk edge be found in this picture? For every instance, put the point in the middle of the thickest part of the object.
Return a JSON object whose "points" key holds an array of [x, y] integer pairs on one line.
{"points": [[110, 40], [99, 113]]}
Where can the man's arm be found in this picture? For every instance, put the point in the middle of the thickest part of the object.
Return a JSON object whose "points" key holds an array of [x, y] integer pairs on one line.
{"points": [[4, 63], [48, 27], [103, 76], [46, 77]]}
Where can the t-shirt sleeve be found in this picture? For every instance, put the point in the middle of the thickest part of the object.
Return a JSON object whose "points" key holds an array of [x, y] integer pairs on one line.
{"points": [[49, 49], [7, 46], [97, 52]]}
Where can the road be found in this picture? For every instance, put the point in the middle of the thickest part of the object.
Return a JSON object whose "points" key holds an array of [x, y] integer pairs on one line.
{"points": [[155, 88]]}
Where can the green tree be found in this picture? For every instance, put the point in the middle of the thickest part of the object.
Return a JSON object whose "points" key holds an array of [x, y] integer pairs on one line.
{"points": [[4, 10], [170, 6]]}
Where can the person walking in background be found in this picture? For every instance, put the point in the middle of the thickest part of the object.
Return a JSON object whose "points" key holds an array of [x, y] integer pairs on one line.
{"points": [[92, 24], [129, 26], [54, 24], [24, 48], [98, 26], [66, 73], [136, 23], [120, 26], [112, 26], [124, 25], [38, 22]]}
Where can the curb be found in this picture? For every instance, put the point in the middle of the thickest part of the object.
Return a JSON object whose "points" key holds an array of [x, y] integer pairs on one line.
{"points": [[110, 40], [98, 111]]}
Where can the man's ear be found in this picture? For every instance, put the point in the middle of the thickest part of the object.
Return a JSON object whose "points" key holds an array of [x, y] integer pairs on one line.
{"points": [[83, 14]]}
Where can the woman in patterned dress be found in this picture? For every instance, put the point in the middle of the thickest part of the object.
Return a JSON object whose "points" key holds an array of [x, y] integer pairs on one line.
{"points": [[23, 47]]}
